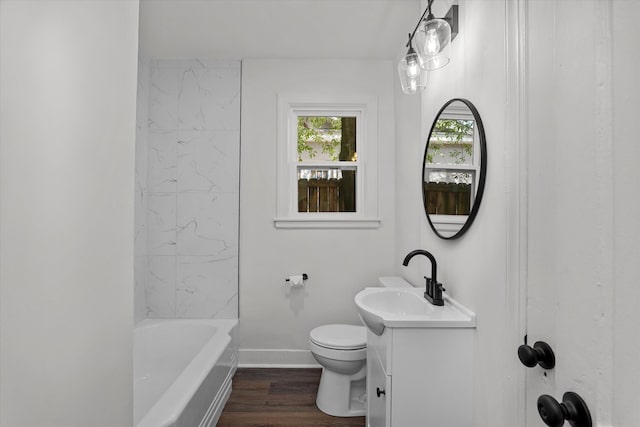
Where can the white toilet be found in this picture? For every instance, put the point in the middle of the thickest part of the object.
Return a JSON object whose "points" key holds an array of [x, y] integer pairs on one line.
{"points": [[342, 352]]}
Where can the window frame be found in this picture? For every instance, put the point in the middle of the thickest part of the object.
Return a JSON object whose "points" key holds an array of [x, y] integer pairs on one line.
{"points": [[290, 107]]}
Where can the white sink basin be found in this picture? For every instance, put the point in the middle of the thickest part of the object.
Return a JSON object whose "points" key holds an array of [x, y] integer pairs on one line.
{"points": [[407, 308]]}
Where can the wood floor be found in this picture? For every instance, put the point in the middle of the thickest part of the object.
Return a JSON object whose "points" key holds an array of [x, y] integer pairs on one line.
{"points": [[278, 397]]}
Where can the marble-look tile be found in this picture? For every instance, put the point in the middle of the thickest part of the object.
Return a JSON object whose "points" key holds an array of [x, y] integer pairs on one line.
{"points": [[141, 156], [208, 161], [209, 98], [207, 224], [140, 203], [140, 223], [196, 63], [142, 98], [160, 291], [139, 288], [162, 161], [230, 310], [163, 96], [187, 179], [141, 165], [207, 287], [161, 224], [170, 63]]}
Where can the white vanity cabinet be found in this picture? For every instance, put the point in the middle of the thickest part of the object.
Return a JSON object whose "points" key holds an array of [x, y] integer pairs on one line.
{"points": [[420, 377]]}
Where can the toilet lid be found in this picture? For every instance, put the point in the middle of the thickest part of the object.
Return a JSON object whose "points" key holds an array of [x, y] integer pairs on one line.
{"points": [[340, 337]]}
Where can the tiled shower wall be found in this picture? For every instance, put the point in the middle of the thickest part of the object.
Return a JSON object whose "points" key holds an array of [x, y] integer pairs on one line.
{"points": [[191, 193], [140, 202]]}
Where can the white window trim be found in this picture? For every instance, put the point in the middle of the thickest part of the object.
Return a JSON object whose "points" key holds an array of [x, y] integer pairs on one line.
{"points": [[365, 108]]}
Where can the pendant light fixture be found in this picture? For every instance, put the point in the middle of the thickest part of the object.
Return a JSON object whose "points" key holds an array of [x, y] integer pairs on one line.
{"points": [[411, 71], [433, 38]]}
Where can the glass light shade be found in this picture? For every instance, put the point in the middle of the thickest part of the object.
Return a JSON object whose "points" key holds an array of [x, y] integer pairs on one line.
{"points": [[433, 42], [413, 78]]}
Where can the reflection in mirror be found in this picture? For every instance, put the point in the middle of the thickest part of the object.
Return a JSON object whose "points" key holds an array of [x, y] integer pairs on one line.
{"points": [[454, 169]]}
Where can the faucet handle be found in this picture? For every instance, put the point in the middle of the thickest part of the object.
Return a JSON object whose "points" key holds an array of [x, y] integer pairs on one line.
{"points": [[433, 293], [430, 285], [437, 290], [436, 284]]}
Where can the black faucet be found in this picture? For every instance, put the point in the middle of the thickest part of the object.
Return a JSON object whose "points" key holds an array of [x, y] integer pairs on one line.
{"points": [[433, 293]]}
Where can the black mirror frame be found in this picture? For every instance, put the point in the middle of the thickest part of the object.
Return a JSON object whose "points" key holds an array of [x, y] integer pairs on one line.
{"points": [[483, 169]]}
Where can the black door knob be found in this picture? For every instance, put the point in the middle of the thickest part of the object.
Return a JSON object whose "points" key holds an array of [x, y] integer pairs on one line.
{"points": [[380, 392], [540, 354], [572, 409]]}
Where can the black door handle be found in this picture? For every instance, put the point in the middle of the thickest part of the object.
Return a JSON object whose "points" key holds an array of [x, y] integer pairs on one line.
{"points": [[572, 409], [380, 392], [541, 354]]}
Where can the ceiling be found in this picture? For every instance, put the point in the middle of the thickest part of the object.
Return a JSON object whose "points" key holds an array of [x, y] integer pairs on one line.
{"points": [[237, 29]]}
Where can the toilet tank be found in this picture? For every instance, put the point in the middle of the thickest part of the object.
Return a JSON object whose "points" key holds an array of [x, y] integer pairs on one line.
{"points": [[393, 282]]}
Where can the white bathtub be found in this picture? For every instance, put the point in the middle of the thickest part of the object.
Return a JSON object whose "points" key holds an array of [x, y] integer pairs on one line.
{"points": [[182, 371]]}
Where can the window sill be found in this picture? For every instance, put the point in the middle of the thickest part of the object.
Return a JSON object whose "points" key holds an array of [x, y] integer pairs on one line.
{"points": [[326, 223]]}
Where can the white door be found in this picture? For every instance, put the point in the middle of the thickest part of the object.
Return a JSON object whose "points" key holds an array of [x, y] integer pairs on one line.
{"points": [[583, 253]]}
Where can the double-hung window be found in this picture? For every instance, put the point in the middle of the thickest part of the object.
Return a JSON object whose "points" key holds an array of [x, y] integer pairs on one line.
{"points": [[327, 163]]}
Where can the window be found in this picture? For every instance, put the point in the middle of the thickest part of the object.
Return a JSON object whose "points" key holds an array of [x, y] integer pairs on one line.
{"points": [[327, 164], [327, 169]]}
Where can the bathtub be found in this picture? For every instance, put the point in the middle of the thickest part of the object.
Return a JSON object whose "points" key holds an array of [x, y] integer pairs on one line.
{"points": [[182, 371]]}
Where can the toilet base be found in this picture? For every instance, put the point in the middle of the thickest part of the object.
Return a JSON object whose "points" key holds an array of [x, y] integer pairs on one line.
{"points": [[342, 395]]}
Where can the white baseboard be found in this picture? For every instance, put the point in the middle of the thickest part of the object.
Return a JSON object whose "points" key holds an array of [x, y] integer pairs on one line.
{"points": [[280, 358]]}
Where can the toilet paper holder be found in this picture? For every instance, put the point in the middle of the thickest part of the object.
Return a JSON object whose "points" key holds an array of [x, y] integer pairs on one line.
{"points": [[305, 276]]}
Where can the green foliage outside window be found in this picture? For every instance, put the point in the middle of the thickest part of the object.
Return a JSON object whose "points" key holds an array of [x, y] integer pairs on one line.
{"points": [[323, 131], [451, 131]]}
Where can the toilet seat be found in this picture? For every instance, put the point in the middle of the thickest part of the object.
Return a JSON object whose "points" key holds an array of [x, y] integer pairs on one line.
{"points": [[339, 337]]}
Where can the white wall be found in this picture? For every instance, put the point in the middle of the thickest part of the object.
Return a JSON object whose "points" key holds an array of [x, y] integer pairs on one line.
{"points": [[274, 320], [474, 268], [68, 85]]}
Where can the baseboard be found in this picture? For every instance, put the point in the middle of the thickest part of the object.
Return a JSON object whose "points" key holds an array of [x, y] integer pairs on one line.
{"points": [[280, 358]]}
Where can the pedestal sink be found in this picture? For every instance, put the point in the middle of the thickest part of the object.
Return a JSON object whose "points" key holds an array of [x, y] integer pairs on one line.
{"points": [[407, 308]]}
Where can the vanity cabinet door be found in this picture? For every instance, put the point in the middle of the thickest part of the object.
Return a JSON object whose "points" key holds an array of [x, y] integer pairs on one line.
{"points": [[378, 393]]}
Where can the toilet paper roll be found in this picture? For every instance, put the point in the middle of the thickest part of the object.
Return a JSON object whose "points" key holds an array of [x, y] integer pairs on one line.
{"points": [[296, 280]]}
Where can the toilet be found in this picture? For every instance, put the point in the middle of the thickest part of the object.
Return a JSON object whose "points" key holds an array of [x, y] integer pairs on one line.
{"points": [[341, 350]]}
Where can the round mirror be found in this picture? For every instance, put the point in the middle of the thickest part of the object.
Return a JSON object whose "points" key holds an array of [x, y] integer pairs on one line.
{"points": [[454, 169]]}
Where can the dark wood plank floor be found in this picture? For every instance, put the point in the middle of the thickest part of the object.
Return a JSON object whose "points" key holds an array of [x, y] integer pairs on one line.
{"points": [[278, 397]]}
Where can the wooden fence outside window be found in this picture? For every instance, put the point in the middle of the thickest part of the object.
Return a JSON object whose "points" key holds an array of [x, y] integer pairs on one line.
{"points": [[327, 195], [443, 198]]}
